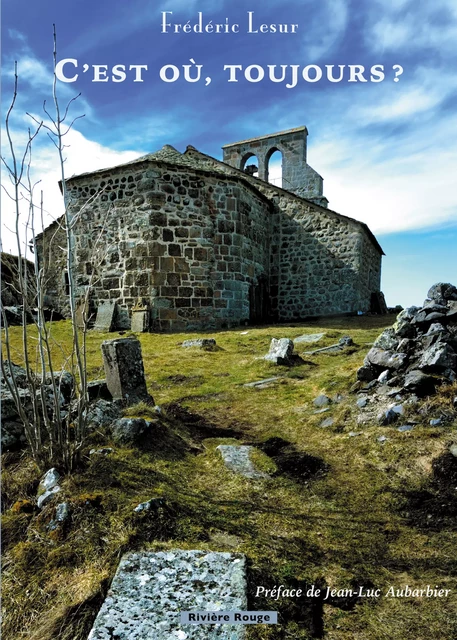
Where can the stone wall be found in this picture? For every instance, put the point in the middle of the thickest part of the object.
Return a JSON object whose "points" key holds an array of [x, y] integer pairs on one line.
{"points": [[322, 263], [52, 258], [203, 245], [322, 267], [185, 243]]}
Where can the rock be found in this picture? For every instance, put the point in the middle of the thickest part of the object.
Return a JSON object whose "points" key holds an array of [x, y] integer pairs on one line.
{"points": [[405, 345], [12, 435], [362, 402], [47, 496], [62, 515], [386, 359], [382, 439], [261, 382], [150, 505], [207, 344], [419, 382], [64, 382], [452, 310], [454, 402], [353, 434], [237, 459], [321, 401], [367, 373], [384, 376], [13, 371], [151, 589], [101, 452], [436, 329], [281, 351], [453, 450], [436, 422], [404, 329], [370, 385], [434, 316], [328, 422], [387, 340], [345, 341], [129, 430], [50, 479], [438, 357], [98, 390], [402, 326], [62, 512], [387, 417], [398, 409], [124, 370], [405, 427], [9, 409], [102, 413], [442, 292], [309, 338]]}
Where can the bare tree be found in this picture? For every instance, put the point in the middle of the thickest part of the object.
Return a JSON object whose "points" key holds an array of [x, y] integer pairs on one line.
{"points": [[55, 433]]}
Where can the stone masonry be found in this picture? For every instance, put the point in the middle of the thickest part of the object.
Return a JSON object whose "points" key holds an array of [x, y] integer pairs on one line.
{"points": [[201, 244], [297, 176]]}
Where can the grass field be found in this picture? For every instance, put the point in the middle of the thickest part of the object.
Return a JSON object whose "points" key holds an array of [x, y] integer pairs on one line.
{"points": [[368, 515]]}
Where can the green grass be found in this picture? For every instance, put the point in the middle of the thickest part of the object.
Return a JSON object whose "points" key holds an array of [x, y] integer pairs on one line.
{"points": [[353, 524]]}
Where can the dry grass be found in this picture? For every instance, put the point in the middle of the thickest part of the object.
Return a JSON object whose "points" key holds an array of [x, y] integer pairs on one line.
{"points": [[357, 522]]}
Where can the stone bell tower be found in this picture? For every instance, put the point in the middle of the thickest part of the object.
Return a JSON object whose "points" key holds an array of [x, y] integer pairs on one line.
{"points": [[297, 176]]}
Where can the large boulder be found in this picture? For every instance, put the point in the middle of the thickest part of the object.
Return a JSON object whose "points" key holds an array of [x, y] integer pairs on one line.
{"points": [[439, 357], [420, 383], [386, 359], [387, 340], [442, 292]]}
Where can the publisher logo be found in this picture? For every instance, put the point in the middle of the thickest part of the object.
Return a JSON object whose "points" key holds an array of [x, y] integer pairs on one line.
{"points": [[229, 617]]}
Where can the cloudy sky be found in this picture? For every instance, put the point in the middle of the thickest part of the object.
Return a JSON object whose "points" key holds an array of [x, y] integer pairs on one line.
{"points": [[387, 149]]}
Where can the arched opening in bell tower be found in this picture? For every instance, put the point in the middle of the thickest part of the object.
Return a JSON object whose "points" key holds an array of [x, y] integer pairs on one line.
{"points": [[274, 167]]}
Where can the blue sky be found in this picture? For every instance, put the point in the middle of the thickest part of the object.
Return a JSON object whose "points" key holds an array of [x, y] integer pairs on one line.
{"points": [[387, 150]]}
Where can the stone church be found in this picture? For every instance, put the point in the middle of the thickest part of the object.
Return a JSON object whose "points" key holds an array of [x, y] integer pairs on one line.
{"points": [[199, 243]]}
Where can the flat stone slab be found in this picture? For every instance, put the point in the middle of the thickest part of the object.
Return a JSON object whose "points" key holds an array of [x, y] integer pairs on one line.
{"points": [[238, 459], [151, 589], [140, 320], [309, 338], [258, 383], [105, 316], [208, 344]]}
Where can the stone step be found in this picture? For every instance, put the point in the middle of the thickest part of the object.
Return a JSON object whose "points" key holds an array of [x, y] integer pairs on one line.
{"points": [[151, 589], [237, 458]]}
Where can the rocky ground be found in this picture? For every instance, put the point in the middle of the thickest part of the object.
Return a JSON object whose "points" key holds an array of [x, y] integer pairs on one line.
{"points": [[332, 462]]}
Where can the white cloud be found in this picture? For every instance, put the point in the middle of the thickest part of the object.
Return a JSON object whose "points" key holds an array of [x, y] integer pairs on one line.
{"points": [[81, 155], [395, 194], [412, 26], [327, 30]]}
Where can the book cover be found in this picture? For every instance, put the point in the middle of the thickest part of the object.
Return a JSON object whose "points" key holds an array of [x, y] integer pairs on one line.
{"points": [[230, 203]]}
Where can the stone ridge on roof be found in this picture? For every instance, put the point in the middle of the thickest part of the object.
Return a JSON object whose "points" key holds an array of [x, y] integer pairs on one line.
{"points": [[268, 135]]}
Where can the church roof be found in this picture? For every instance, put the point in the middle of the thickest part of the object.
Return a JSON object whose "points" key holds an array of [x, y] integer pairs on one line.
{"points": [[192, 158]]}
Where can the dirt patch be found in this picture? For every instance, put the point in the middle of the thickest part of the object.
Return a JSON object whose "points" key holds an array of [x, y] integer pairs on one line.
{"points": [[305, 611], [434, 507], [292, 463], [198, 427]]}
